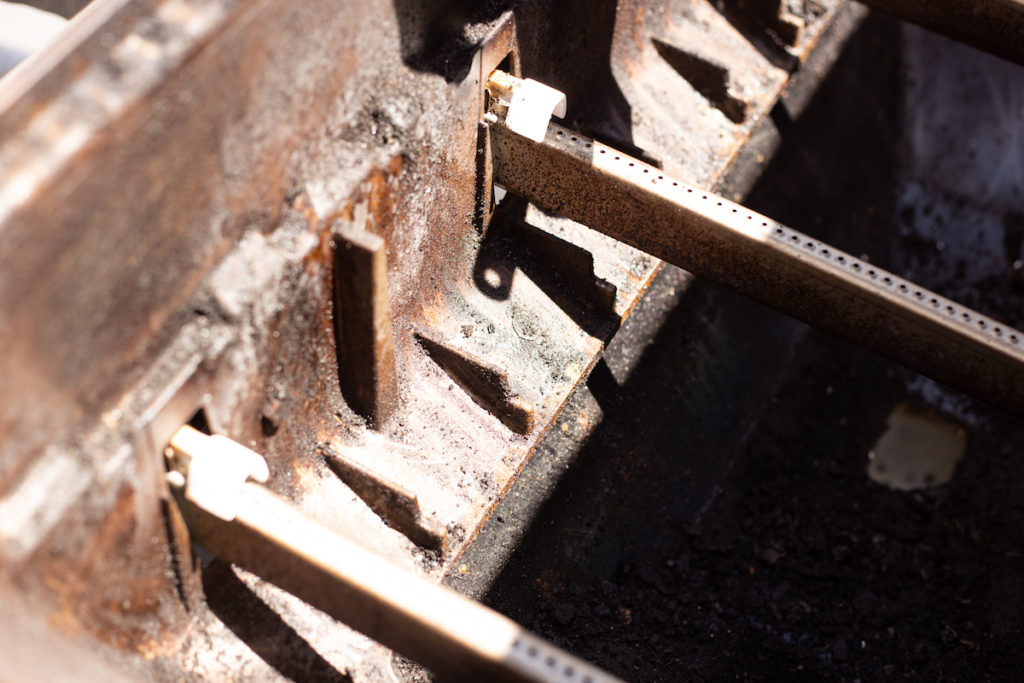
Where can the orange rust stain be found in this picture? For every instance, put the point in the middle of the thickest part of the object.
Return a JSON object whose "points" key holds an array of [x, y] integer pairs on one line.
{"points": [[306, 475], [376, 192], [639, 34], [435, 312], [395, 165], [117, 588]]}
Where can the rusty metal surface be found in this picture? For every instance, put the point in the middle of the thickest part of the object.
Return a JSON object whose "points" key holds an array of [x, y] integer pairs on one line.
{"points": [[577, 177], [837, 182], [252, 528], [995, 26], [362, 324], [172, 175], [65, 8]]}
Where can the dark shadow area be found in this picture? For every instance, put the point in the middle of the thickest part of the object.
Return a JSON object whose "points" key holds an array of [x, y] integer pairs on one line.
{"points": [[567, 45], [708, 78], [65, 8], [562, 270], [719, 523], [673, 427], [602, 384], [262, 629], [667, 438], [438, 35], [836, 176], [755, 30], [178, 565], [442, 37]]}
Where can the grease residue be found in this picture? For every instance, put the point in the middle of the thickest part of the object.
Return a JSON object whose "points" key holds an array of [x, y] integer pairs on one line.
{"points": [[917, 450]]}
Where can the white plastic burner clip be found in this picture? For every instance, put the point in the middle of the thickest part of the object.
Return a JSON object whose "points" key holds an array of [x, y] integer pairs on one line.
{"points": [[527, 105]]}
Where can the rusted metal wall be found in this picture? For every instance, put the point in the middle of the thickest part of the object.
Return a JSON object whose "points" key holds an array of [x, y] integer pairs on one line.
{"points": [[175, 178]]}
